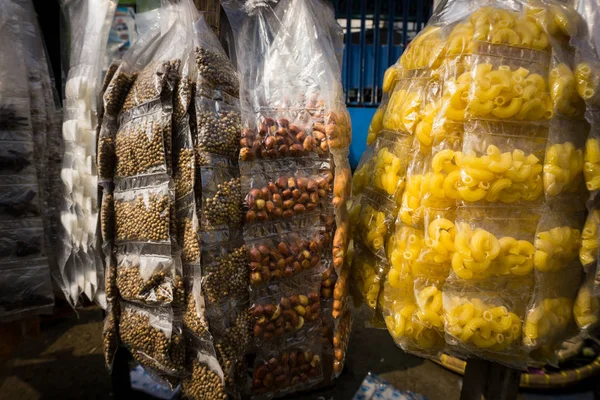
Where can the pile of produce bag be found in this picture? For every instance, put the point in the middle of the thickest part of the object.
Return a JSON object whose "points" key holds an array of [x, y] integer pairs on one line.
{"points": [[470, 202], [30, 151]]}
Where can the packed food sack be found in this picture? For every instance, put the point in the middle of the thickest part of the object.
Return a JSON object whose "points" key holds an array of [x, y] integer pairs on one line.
{"points": [[471, 200], [294, 183]]}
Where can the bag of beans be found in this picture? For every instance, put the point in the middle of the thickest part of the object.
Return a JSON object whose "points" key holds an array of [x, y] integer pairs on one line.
{"points": [[143, 212], [154, 337], [194, 318], [110, 335], [221, 202], [206, 379], [224, 271], [152, 280]]}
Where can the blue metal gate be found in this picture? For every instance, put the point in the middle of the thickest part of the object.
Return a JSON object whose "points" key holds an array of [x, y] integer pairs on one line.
{"points": [[376, 34]]}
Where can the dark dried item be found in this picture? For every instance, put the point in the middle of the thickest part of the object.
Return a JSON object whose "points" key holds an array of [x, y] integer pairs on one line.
{"points": [[218, 130], [341, 338], [141, 146], [215, 69], [284, 198], [107, 217], [225, 206], [194, 318], [278, 138], [148, 85], [110, 337], [107, 157], [184, 173], [188, 238], [283, 256], [116, 91], [182, 99], [153, 339], [226, 276], [288, 371], [289, 315]]}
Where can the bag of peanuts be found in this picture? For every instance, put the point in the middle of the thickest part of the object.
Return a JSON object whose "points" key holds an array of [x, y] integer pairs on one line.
{"points": [[294, 365]]}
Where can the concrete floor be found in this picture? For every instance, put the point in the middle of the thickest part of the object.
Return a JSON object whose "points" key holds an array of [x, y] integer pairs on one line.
{"points": [[66, 362]]}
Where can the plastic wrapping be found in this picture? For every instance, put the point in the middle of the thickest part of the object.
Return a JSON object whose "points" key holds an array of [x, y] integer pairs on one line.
{"points": [[341, 338], [297, 365], [79, 261], [154, 337], [487, 105], [287, 309], [224, 271], [150, 280]]}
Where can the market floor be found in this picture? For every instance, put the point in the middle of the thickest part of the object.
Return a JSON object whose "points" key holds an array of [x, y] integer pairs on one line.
{"points": [[66, 362]]}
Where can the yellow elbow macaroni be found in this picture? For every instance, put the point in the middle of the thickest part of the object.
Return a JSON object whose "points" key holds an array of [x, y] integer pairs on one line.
{"points": [[389, 168], [563, 91], [373, 228], [591, 165], [563, 169], [473, 322], [557, 248], [505, 177], [366, 275], [547, 320], [506, 93], [588, 252], [586, 309]]}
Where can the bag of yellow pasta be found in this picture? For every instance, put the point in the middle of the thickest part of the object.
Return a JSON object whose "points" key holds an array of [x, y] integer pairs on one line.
{"points": [[366, 272], [491, 243], [485, 319], [564, 162], [501, 164], [549, 318], [586, 309], [588, 252], [375, 223], [558, 239], [388, 167], [441, 177]]}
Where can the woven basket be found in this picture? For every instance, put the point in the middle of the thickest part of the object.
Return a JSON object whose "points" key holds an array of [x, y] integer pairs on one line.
{"points": [[212, 12]]}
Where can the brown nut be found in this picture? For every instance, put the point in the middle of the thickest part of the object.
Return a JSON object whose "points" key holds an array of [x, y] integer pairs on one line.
{"points": [[299, 208]]}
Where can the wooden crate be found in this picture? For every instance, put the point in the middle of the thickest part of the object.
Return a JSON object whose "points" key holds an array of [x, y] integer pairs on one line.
{"points": [[212, 12]]}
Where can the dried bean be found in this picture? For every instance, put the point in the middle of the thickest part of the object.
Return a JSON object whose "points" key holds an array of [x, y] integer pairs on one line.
{"points": [[203, 384], [134, 220], [227, 276], [225, 207], [215, 68]]}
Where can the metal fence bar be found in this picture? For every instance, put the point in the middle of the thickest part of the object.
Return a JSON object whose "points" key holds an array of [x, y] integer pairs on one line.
{"points": [[390, 33], [348, 47], [420, 20], [404, 24], [361, 85], [376, 49]]}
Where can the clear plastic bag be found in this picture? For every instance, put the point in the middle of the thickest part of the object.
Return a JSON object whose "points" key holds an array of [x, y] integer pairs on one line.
{"points": [[25, 289], [206, 380], [224, 271], [221, 196], [287, 309], [341, 338], [284, 254], [298, 356], [143, 213], [219, 125], [549, 319], [154, 337], [150, 279], [110, 335], [194, 317], [22, 239]]}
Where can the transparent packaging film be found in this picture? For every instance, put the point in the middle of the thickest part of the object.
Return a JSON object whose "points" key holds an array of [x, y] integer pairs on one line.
{"points": [[218, 125], [341, 338], [487, 319], [286, 308], [22, 240], [154, 337], [367, 272], [293, 366], [221, 199], [586, 308], [150, 280], [283, 255], [110, 335], [495, 245], [224, 271], [549, 318], [143, 213], [26, 289], [558, 240], [283, 191], [375, 223], [206, 379], [194, 317]]}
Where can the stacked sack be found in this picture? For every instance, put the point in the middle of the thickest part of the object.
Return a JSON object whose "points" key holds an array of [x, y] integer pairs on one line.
{"points": [[80, 269], [470, 202], [176, 276], [29, 165], [295, 180]]}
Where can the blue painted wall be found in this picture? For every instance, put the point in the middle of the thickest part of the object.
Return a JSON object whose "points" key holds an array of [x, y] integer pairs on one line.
{"points": [[361, 118]]}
